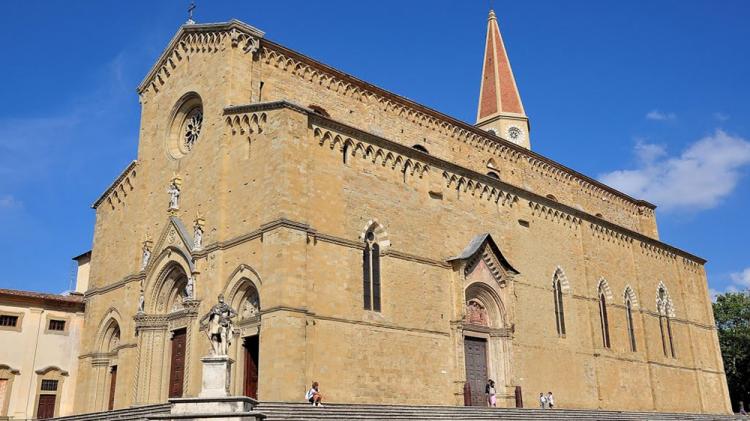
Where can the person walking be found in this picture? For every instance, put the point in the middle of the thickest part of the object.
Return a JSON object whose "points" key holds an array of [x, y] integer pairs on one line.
{"points": [[313, 395], [550, 400], [489, 390], [542, 401]]}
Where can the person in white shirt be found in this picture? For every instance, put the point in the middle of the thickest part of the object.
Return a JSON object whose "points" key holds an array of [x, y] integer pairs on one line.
{"points": [[489, 390], [542, 401], [550, 400], [313, 395]]}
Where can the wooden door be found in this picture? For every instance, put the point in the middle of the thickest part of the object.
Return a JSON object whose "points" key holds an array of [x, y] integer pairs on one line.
{"points": [[112, 386], [251, 367], [46, 408], [177, 367], [475, 353]]}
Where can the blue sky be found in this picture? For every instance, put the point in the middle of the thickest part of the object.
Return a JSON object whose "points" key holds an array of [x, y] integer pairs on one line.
{"points": [[651, 96]]}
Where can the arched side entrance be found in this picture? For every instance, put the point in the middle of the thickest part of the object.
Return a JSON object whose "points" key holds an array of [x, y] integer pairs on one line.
{"points": [[105, 361], [484, 335], [243, 295]]}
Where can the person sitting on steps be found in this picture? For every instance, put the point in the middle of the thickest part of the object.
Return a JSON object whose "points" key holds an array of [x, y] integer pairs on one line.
{"points": [[313, 395]]}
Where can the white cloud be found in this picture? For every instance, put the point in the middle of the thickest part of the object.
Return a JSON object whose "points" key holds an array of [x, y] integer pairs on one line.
{"points": [[9, 202], [660, 116], [699, 178], [741, 278], [721, 116]]}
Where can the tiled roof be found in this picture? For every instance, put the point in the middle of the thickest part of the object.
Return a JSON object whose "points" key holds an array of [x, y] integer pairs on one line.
{"points": [[46, 298]]}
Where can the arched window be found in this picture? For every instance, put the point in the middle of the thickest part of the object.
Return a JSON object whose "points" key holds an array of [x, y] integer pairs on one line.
{"points": [[603, 317], [552, 197], [371, 275], [347, 152], [421, 148], [664, 306], [493, 174], [559, 309], [629, 315]]}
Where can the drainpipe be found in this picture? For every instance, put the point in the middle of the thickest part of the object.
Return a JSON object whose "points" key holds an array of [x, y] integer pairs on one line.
{"points": [[33, 361]]}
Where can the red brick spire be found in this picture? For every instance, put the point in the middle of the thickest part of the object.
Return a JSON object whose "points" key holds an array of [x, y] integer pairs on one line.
{"points": [[499, 94]]}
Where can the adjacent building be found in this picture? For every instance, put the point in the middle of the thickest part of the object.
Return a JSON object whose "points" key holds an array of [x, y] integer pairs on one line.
{"points": [[39, 334]]}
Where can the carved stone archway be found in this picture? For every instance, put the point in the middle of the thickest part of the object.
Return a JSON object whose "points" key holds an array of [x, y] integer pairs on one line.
{"points": [[170, 307], [243, 293], [485, 318]]}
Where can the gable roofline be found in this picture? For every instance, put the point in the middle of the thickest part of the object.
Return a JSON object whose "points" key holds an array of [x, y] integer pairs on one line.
{"points": [[476, 244], [195, 27], [114, 184]]}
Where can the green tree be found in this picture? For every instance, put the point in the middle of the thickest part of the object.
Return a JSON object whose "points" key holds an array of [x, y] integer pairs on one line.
{"points": [[732, 314]]}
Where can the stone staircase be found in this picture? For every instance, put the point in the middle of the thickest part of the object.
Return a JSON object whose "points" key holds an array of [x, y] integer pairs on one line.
{"points": [[136, 413], [277, 411], [280, 411]]}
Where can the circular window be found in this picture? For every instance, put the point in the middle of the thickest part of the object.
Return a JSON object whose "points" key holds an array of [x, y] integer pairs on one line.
{"points": [[514, 133], [191, 128], [186, 125]]}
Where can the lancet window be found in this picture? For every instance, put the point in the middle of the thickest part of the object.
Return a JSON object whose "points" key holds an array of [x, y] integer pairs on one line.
{"points": [[603, 317], [371, 272], [559, 308], [629, 315], [664, 306]]}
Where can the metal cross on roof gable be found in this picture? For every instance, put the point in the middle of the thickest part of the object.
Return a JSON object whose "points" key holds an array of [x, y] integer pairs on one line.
{"points": [[190, 20]]}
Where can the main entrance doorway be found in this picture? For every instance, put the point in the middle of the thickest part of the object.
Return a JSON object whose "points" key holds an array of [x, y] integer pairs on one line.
{"points": [[177, 367], [250, 346], [475, 353]]}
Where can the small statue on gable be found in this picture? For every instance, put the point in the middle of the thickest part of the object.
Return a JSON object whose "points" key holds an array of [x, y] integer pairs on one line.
{"points": [[174, 191]]}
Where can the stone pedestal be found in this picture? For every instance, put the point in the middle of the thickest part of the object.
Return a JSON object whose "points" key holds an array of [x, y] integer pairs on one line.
{"points": [[213, 402], [216, 374]]}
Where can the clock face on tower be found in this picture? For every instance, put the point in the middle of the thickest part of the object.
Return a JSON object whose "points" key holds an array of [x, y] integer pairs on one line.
{"points": [[515, 134]]}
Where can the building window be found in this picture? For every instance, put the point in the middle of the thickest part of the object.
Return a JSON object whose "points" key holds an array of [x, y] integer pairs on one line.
{"points": [[347, 152], [559, 309], [603, 319], [8, 321], [664, 306], [493, 174], [49, 385], [57, 325], [631, 330], [371, 275]]}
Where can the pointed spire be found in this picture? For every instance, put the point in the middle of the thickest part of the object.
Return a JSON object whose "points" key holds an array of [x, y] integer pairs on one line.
{"points": [[499, 94]]}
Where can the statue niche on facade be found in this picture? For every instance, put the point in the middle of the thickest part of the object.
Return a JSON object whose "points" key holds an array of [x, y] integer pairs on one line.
{"points": [[218, 325]]}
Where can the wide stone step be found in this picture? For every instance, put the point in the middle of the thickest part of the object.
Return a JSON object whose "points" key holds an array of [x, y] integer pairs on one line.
{"points": [[137, 413], [305, 412]]}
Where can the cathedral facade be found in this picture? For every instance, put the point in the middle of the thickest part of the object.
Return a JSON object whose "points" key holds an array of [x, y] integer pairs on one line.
{"points": [[387, 251]]}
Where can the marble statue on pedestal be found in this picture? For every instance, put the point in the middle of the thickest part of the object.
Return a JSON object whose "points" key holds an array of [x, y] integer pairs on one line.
{"points": [[219, 326]]}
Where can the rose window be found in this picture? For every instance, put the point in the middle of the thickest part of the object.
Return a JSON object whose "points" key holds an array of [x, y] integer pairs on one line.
{"points": [[192, 127]]}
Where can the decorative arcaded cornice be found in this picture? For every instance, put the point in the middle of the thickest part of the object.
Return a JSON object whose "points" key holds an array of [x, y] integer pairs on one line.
{"points": [[428, 117], [480, 180], [123, 181], [205, 37]]}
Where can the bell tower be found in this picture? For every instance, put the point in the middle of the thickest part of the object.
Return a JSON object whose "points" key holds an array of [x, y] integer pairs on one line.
{"points": [[500, 108]]}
